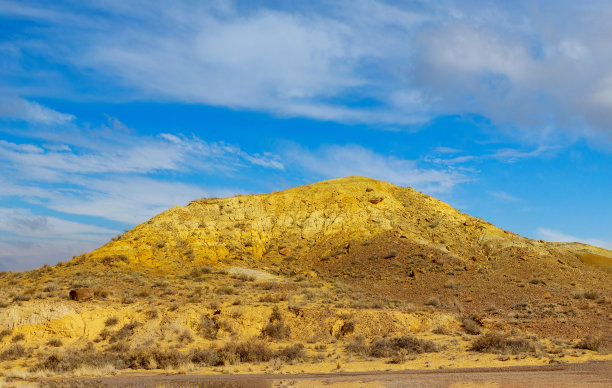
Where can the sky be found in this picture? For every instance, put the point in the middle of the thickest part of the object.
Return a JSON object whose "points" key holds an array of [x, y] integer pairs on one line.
{"points": [[113, 111]]}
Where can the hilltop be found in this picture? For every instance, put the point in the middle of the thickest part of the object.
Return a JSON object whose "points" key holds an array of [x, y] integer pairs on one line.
{"points": [[347, 274]]}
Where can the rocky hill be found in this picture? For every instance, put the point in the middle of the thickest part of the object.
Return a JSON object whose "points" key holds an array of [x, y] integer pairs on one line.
{"points": [[348, 274]]}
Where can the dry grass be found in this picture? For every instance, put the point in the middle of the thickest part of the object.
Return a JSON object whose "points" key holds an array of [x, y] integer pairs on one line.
{"points": [[390, 347], [496, 342], [590, 342]]}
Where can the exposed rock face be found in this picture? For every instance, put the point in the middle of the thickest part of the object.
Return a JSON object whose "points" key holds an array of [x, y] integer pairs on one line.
{"points": [[294, 222], [81, 294]]}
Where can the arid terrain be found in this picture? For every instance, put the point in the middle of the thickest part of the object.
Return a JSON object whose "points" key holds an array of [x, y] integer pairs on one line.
{"points": [[342, 276]]}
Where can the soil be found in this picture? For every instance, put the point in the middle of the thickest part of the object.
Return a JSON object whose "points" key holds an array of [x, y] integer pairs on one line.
{"points": [[594, 374]]}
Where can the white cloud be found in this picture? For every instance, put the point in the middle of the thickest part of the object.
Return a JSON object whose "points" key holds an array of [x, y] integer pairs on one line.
{"points": [[556, 236], [337, 161], [29, 240], [18, 108], [517, 64]]}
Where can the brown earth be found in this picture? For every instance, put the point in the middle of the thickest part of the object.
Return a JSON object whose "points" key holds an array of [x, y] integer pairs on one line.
{"points": [[350, 274], [591, 375]]}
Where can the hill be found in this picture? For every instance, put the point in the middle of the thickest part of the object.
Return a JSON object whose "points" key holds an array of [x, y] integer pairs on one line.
{"points": [[350, 274]]}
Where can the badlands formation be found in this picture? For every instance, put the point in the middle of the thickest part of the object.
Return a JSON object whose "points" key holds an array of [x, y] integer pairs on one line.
{"points": [[350, 274]]}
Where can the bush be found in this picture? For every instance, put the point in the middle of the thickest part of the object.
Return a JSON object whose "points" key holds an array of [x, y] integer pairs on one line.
{"points": [[55, 342], [155, 359], [112, 321], [276, 330], [5, 333], [252, 350], [471, 326], [357, 346], [123, 333], [495, 342], [291, 353], [590, 342], [208, 328], [383, 347], [185, 337], [18, 337], [206, 357], [12, 353]]}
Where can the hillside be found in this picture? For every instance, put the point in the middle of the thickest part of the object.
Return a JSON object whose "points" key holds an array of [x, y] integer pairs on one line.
{"points": [[350, 274]]}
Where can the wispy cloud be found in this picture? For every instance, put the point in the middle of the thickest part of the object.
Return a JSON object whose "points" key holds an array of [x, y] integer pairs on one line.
{"points": [[518, 64], [335, 161], [557, 236], [30, 240], [16, 108]]}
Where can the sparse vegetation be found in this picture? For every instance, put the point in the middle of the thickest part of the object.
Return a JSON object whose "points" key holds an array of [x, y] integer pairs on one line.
{"points": [[112, 321], [590, 342], [497, 342]]}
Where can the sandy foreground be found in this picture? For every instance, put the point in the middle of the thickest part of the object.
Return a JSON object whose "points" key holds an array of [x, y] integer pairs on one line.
{"points": [[592, 374]]}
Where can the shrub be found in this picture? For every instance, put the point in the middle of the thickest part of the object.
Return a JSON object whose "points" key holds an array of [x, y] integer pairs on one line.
{"points": [[471, 326], [185, 336], [208, 328], [252, 350], [495, 342], [5, 333], [112, 321], [205, 357], [590, 342], [18, 337], [357, 346], [291, 353], [276, 330], [155, 359], [433, 302], [123, 333], [225, 291], [55, 342], [384, 347], [13, 352]]}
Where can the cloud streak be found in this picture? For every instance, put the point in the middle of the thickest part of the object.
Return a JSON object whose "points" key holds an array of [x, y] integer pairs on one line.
{"points": [[557, 236], [334, 161], [369, 61]]}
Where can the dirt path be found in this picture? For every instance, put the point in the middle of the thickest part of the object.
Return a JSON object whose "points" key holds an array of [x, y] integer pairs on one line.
{"points": [[594, 374]]}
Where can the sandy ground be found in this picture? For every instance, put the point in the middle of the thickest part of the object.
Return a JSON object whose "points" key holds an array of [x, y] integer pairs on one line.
{"points": [[593, 374]]}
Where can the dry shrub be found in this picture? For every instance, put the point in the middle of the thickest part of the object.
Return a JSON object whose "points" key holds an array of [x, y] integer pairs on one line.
{"points": [[357, 346], [291, 353], [225, 291], [471, 326], [112, 321], [18, 337], [276, 330], [590, 342], [207, 357], [496, 342], [13, 352], [397, 348], [252, 350], [208, 328], [5, 333], [185, 337], [55, 342], [155, 359], [123, 333]]}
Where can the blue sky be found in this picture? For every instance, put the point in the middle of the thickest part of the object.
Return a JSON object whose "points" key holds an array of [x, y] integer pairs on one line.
{"points": [[115, 111]]}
